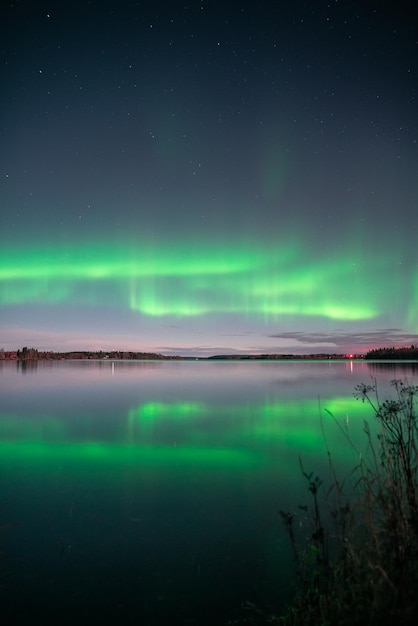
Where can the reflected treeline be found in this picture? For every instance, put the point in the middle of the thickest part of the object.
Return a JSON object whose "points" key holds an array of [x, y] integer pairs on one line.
{"points": [[114, 365], [33, 365], [399, 367], [26, 367]]}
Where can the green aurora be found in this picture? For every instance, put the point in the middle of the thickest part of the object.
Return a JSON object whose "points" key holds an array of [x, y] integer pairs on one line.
{"points": [[196, 281], [225, 182]]}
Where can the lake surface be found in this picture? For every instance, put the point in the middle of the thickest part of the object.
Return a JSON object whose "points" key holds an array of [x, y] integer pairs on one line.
{"points": [[148, 492]]}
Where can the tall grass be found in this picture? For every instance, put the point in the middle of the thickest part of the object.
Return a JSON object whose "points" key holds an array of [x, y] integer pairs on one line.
{"points": [[360, 565], [357, 563]]}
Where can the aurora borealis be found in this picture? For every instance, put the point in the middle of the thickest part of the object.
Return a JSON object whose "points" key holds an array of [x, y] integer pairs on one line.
{"points": [[208, 177]]}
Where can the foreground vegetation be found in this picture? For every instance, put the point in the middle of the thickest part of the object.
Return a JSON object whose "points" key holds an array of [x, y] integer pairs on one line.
{"points": [[359, 564]]}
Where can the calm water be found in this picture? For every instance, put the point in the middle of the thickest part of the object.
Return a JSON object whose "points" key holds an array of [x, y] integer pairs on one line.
{"points": [[148, 492]]}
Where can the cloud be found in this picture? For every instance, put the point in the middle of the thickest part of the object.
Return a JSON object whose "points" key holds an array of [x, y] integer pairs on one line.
{"points": [[348, 341], [201, 351]]}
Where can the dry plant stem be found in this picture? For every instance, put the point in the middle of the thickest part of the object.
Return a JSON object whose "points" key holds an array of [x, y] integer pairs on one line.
{"points": [[361, 562]]}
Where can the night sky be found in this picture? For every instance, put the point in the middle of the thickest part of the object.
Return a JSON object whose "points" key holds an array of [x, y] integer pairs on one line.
{"points": [[204, 177]]}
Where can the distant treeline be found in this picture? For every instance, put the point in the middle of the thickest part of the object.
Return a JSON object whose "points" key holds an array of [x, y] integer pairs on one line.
{"points": [[31, 354], [283, 357], [393, 354]]}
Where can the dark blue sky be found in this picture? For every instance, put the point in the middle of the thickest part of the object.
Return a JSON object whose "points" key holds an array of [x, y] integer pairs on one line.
{"points": [[203, 177]]}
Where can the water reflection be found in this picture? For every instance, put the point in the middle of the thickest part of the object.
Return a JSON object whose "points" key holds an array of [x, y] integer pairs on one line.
{"points": [[165, 479], [399, 369], [258, 414]]}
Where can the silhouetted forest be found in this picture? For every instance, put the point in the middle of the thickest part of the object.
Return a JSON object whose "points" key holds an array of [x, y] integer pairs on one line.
{"points": [[398, 354]]}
